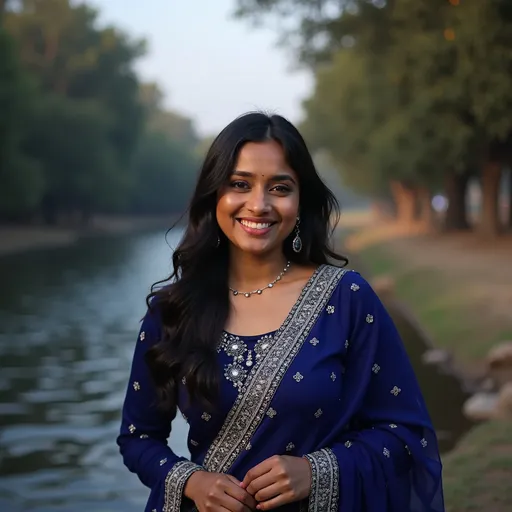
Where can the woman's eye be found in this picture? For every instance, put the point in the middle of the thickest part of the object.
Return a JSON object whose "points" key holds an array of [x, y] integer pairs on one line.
{"points": [[238, 184], [281, 188]]}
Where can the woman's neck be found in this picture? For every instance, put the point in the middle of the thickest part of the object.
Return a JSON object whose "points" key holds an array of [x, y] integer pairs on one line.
{"points": [[247, 272]]}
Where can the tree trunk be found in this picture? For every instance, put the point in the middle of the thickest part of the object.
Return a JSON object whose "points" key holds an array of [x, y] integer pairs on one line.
{"points": [[405, 199], [509, 199], [489, 222], [456, 186], [426, 212]]}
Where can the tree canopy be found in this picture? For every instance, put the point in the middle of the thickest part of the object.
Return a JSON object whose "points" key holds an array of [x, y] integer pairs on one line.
{"points": [[79, 132], [409, 94]]}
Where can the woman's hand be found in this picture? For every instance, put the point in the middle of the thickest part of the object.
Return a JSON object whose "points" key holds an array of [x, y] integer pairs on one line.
{"points": [[279, 480], [216, 492]]}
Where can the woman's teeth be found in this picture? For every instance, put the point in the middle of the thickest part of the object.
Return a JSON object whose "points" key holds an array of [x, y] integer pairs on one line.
{"points": [[256, 225]]}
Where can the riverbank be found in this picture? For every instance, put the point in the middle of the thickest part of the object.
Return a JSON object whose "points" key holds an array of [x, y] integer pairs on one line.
{"points": [[15, 239], [460, 291]]}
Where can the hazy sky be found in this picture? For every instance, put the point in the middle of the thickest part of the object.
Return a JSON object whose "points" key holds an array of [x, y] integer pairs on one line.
{"points": [[211, 67]]}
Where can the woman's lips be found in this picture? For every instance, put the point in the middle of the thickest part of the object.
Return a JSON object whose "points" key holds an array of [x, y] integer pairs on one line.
{"points": [[256, 228]]}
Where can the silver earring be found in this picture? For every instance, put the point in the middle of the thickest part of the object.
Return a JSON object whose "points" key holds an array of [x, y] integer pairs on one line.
{"points": [[297, 242], [218, 241]]}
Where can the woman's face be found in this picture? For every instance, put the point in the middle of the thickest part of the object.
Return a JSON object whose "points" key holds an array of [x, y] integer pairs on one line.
{"points": [[257, 209]]}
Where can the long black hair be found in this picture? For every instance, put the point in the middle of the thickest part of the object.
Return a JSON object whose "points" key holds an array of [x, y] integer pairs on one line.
{"points": [[193, 303]]}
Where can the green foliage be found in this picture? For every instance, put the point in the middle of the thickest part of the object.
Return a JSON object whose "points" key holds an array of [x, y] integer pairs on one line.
{"points": [[406, 90], [79, 133]]}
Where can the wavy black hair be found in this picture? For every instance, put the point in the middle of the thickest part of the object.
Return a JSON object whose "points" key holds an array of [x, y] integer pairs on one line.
{"points": [[193, 303]]}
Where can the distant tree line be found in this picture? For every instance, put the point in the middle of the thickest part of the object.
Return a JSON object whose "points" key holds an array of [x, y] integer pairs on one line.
{"points": [[79, 133], [412, 98]]}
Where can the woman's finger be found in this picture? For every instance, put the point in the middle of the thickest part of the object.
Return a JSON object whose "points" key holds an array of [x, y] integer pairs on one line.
{"points": [[273, 503], [268, 492], [260, 483]]}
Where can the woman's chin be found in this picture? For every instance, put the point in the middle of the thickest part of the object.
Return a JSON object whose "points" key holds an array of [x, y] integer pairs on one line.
{"points": [[258, 247]]}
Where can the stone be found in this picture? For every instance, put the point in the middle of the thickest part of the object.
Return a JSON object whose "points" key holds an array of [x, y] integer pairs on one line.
{"points": [[481, 406], [436, 356], [504, 402], [499, 363]]}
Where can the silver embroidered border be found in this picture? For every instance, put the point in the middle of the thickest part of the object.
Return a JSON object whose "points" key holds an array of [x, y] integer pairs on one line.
{"points": [[265, 377], [175, 483], [325, 481]]}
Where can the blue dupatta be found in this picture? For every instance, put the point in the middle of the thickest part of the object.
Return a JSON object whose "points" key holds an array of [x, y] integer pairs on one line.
{"points": [[335, 385]]}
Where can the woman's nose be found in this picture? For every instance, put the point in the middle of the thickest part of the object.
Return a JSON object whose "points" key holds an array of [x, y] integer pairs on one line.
{"points": [[258, 201]]}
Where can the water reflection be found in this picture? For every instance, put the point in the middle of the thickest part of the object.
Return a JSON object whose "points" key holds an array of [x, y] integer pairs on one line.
{"points": [[68, 322]]}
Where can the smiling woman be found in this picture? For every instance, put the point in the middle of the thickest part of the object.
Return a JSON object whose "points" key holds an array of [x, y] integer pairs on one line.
{"points": [[293, 379]]}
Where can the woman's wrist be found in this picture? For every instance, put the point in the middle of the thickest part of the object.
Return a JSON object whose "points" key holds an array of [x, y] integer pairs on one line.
{"points": [[192, 484]]}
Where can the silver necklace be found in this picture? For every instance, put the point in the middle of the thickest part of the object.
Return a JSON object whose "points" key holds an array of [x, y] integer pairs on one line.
{"points": [[259, 291]]}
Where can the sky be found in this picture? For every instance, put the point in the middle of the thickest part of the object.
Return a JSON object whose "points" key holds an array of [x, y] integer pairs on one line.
{"points": [[210, 66]]}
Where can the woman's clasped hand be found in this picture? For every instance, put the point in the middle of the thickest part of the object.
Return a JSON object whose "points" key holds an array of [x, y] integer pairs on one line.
{"points": [[275, 482]]}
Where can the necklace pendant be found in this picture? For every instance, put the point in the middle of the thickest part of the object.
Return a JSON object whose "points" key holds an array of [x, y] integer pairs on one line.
{"points": [[249, 359]]}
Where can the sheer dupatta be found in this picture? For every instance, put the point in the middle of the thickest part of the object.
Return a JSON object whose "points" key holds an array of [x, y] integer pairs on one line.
{"points": [[382, 454]]}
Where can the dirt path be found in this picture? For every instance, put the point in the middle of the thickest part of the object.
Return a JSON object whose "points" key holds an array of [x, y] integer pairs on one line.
{"points": [[483, 270]]}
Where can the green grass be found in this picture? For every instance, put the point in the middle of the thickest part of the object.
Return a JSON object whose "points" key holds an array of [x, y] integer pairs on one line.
{"points": [[478, 474]]}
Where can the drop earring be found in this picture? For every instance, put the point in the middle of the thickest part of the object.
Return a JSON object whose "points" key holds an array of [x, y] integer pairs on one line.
{"points": [[297, 242]]}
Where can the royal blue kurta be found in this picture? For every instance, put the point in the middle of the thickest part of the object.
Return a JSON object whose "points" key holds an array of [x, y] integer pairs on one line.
{"points": [[333, 384]]}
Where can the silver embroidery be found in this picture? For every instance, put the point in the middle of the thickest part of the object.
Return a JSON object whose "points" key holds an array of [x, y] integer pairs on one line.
{"points": [[330, 310], [369, 319], [348, 444], [346, 344], [136, 386], [194, 443], [314, 341], [162, 462], [290, 447], [298, 376], [424, 443], [318, 413], [144, 436], [205, 416], [142, 336], [266, 375], [271, 413], [375, 368], [132, 429], [386, 452], [354, 287], [392, 425], [324, 495], [175, 483], [395, 391], [333, 376]]}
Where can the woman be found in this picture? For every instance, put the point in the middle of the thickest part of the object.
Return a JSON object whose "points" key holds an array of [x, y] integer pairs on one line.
{"points": [[289, 371]]}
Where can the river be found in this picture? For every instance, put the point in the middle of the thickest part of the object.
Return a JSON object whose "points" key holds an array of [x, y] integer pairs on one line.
{"points": [[68, 323]]}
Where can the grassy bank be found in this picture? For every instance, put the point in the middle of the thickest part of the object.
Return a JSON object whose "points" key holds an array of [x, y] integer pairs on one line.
{"points": [[459, 304], [447, 305]]}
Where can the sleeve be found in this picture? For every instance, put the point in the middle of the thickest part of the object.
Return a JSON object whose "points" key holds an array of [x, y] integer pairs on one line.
{"points": [[386, 459], [145, 430]]}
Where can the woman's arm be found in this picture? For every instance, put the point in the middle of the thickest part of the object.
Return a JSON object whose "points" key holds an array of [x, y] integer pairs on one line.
{"points": [[145, 430]]}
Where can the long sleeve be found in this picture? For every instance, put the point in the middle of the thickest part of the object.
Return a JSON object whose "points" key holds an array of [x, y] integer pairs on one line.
{"points": [[386, 459], [145, 430]]}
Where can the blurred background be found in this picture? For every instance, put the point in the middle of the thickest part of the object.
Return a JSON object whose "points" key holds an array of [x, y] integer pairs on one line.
{"points": [[107, 108]]}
